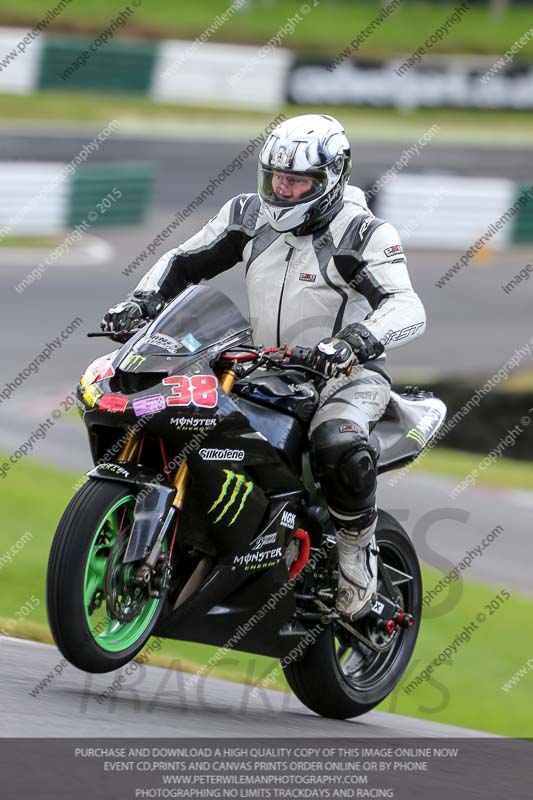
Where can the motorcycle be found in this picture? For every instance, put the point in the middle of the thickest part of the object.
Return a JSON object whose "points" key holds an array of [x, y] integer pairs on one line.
{"points": [[202, 521]]}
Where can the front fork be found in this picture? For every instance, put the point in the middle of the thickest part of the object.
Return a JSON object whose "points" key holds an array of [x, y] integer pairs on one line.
{"points": [[144, 572], [180, 480]]}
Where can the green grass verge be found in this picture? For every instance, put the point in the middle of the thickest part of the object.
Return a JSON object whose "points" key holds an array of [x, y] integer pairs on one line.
{"points": [[98, 109], [328, 27], [467, 693], [467, 690], [30, 241], [505, 472]]}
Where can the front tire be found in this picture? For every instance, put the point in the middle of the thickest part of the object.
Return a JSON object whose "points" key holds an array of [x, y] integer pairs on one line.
{"points": [[339, 677], [98, 621]]}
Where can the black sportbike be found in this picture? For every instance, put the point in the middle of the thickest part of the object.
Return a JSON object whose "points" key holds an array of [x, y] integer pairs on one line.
{"points": [[202, 521]]}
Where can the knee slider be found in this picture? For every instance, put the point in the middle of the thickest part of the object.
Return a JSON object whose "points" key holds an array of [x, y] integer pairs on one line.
{"points": [[345, 465], [357, 468]]}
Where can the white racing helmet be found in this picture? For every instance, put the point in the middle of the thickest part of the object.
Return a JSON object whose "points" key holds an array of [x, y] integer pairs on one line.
{"points": [[312, 146]]}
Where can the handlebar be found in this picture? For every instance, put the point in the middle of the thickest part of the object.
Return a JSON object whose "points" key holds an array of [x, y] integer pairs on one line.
{"points": [[298, 358]]}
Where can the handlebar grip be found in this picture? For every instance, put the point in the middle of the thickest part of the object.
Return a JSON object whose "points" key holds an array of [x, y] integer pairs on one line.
{"points": [[300, 356]]}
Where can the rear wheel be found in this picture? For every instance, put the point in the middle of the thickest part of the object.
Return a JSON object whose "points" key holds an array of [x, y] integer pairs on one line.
{"points": [[99, 618], [339, 676]]}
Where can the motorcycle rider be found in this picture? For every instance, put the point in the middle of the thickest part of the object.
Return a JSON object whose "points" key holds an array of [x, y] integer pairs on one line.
{"points": [[323, 272]]}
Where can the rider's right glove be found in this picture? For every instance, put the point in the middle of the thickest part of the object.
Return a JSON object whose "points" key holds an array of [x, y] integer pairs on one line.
{"points": [[332, 357], [124, 316]]}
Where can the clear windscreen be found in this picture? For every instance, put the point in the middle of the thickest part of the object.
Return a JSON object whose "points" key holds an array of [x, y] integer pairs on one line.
{"points": [[199, 318]]}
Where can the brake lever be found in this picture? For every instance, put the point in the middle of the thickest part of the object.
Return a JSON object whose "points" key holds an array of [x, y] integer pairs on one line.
{"points": [[117, 336]]}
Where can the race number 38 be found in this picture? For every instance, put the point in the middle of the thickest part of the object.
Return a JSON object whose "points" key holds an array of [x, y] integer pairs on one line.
{"points": [[198, 390]]}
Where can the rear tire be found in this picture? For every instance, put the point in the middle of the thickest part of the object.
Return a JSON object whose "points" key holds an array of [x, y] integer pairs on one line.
{"points": [[84, 565], [344, 689]]}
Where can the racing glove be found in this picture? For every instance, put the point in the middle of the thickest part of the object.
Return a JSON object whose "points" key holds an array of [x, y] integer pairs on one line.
{"points": [[364, 344], [126, 315], [332, 357]]}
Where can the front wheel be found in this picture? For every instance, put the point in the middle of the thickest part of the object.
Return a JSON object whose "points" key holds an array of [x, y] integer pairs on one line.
{"points": [[339, 676], [99, 619]]}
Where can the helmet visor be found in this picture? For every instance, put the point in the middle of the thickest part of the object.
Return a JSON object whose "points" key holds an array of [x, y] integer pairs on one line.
{"points": [[282, 188]]}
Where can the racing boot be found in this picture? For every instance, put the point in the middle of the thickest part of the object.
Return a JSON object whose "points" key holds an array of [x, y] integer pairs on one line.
{"points": [[357, 551]]}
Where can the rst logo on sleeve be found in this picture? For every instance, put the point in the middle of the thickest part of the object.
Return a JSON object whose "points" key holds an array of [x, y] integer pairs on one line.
{"points": [[396, 336]]}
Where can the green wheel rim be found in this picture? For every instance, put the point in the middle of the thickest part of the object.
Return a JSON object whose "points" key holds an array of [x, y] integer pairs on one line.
{"points": [[111, 634]]}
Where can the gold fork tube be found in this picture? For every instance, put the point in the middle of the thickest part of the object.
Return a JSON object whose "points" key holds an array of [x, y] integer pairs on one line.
{"points": [[227, 380], [180, 482], [130, 447]]}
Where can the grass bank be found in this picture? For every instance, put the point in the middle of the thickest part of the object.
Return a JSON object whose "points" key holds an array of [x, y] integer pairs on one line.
{"points": [[321, 27], [142, 115]]}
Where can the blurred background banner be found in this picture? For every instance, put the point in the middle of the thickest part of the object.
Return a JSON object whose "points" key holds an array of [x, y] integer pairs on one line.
{"points": [[124, 127], [213, 74]]}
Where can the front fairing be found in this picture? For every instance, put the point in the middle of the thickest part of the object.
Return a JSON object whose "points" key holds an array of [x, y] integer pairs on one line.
{"points": [[140, 378], [177, 404]]}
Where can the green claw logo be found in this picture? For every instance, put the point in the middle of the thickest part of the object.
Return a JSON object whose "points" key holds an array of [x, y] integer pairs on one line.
{"points": [[233, 483], [417, 436], [426, 427], [133, 362]]}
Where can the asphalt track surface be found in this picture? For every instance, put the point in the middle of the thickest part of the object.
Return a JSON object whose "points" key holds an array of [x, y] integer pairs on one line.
{"points": [[156, 702], [473, 329]]}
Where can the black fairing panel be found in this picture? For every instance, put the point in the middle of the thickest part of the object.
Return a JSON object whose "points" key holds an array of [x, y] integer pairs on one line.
{"points": [[282, 431]]}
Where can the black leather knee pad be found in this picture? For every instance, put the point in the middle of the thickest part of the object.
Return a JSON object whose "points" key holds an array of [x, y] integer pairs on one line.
{"points": [[345, 464]]}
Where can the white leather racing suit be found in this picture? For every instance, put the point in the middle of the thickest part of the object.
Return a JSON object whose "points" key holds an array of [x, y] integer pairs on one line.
{"points": [[301, 289]]}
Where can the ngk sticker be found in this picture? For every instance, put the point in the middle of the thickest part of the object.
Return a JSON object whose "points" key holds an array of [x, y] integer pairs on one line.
{"points": [[288, 520]]}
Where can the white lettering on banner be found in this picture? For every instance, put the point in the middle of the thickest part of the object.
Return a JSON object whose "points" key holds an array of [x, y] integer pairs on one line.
{"points": [[445, 84]]}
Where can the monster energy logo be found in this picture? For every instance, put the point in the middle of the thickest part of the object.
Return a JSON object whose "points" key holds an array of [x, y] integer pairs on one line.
{"points": [[425, 428], [133, 361], [417, 436], [232, 486]]}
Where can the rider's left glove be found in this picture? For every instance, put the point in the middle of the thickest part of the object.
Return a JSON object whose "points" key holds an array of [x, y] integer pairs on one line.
{"points": [[126, 315]]}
